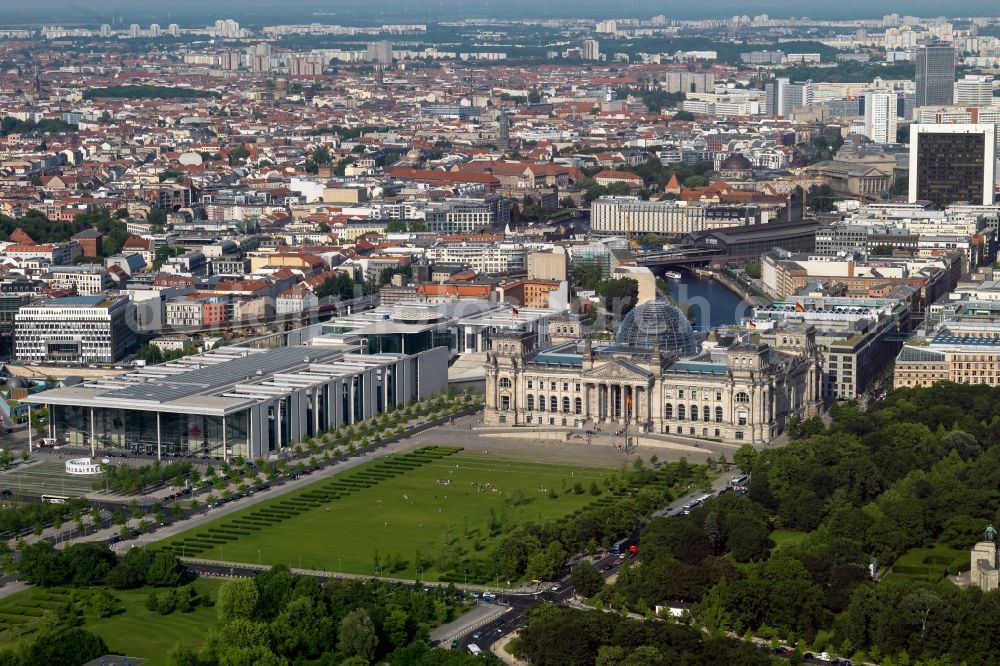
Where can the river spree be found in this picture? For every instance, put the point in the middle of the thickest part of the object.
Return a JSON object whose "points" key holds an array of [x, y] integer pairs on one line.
{"points": [[714, 305]]}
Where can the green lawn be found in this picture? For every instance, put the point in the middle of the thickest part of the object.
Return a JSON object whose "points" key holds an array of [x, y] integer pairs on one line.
{"points": [[930, 564], [424, 501], [787, 537], [136, 632], [45, 478]]}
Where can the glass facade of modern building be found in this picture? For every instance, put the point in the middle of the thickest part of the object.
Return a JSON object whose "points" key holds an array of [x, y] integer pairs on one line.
{"points": [[238, 402], [140, 431]]}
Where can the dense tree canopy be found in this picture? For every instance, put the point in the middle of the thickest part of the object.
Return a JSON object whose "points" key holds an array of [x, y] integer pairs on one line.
{"points": [[279, 618], [918, 470]]}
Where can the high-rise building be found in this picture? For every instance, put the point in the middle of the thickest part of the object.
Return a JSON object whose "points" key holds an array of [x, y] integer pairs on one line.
{"points": [[503, 131], [105, 30], [134, 30], [974, 90], [591, 49], [783, 97], [935, 79], [688, 82], [380, 52], [230, 60], [174, 30], [227, 28], [880, 116], [154, 30], [952, 163]]}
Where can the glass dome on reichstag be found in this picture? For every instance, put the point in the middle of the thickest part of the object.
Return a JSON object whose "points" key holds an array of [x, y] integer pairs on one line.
{"points": [[654, 320]]}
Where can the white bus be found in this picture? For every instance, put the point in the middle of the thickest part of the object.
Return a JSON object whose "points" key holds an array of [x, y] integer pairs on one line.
{"points": [[474, 649], [55, 499]]}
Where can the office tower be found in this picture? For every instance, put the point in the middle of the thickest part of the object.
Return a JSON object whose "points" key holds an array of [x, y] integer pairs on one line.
{"points": [[935, 81], [974, 90], [503, 131], [952, 163], [591, 49], [380, 52], [782, 97], [880, 116]]}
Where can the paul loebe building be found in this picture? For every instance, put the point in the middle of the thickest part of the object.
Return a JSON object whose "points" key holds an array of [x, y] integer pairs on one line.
{"points": [[238, 401], [655, 379]]}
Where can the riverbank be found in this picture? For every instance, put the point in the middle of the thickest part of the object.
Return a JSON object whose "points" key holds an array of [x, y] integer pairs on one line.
{"points": [[741, 290]]}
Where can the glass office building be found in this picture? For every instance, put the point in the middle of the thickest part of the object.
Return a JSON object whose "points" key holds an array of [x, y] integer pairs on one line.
{"points": [[935, 75], [239, 401]]}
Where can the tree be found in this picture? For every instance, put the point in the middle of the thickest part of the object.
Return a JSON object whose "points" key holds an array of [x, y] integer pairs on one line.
{"points": [[66, 646], [821, 198], [620, 295], [340, 286], [587, 580], [713, 530], [587, 275], [237, 599], [104, 603], [88, 563], [749, 540], [548, 562], [41, 564], [753, 269], [357, 637], [394, 626], [165, 570], [744, 457], [321, 156]]}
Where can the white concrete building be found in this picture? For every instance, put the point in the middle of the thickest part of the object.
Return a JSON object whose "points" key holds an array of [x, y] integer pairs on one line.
{"points": [[880, 116], [76, 329], [632, 215]]}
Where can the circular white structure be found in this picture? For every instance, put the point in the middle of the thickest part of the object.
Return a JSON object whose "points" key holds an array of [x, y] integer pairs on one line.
{"points": [[82, 467]]}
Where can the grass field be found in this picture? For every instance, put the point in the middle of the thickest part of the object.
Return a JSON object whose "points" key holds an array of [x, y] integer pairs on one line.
{"points": [[45, 478], [787, 537], [930, 564], [432, 499], [135, 631]]}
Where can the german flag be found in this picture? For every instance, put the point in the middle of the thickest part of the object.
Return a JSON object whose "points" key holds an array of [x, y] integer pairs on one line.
{"points": [[799, 307], [752, 325]]}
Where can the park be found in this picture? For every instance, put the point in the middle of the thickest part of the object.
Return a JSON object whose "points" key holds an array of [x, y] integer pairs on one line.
{"points": [[126, 624], [412, 515]]}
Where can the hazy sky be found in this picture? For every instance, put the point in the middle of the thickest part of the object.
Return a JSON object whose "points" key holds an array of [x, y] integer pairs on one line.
{"points": [[200, 11]]}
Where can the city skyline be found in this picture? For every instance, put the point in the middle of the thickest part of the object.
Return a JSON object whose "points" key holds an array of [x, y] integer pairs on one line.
{"points": [[95, 11]]}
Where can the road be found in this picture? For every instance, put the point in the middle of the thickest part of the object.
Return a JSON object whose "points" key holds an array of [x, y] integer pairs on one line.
{"points": [[561, 591]]}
